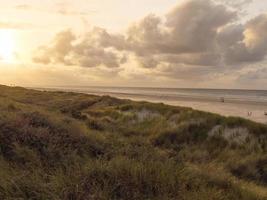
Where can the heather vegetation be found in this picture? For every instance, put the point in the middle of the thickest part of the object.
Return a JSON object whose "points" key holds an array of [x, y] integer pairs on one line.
{"points": [[58, 145]]}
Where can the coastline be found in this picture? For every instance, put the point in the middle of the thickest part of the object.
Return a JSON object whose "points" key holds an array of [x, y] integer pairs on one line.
{"points": [[231, 107], [228, 108]]}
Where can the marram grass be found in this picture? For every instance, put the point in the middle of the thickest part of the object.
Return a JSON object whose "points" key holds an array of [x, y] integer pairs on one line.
{"points": [[58, 145]]}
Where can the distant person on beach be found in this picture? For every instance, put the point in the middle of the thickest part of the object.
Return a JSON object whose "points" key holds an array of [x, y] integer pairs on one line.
{"points": [[222, 99]]}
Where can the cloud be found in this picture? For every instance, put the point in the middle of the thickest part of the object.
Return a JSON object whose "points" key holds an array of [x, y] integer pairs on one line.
{"points": [[230, 35], [58, 49], [260, 74], [66, 9], [183, 72], [198, 32], [23, 7], [188, 35], [196, 38], [253, 77], [85, 51], [238, 4], [60, 8], [71, 12], [14, 25], [195, 24], [251, 44]]}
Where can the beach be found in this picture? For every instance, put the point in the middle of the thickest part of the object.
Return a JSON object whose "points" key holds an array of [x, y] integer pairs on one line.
{"points": [[237, 109], [225, 109], [237, 103]]}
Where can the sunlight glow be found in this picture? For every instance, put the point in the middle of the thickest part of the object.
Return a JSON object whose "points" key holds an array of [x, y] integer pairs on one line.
{"points": [[7, 46]]}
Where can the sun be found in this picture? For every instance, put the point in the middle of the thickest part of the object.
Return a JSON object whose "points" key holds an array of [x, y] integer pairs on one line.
{"points": [[7, 46]]}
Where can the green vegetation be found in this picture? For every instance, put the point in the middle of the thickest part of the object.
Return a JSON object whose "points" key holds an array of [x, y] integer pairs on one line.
{"points": [[57, 145]]}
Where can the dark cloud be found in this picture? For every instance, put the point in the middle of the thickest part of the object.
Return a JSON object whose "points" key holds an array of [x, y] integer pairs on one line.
{"points": [[229, 35], [251, 45]]}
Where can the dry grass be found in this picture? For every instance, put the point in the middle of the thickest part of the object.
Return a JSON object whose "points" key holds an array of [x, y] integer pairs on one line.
{"points": [[56, 145]]}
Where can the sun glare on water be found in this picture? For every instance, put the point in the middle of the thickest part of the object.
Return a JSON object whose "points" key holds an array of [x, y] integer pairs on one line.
{"points": [[7, 46]]}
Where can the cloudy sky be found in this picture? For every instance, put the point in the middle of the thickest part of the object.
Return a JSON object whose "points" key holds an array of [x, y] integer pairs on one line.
{"points": [[151, 43]]}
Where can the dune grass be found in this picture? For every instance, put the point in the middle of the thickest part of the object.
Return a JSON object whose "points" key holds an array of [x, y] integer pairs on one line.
{"points": [[58, 145]]}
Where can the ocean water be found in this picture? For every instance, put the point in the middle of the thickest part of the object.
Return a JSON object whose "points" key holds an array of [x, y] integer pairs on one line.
{"points": [[230, 95]]}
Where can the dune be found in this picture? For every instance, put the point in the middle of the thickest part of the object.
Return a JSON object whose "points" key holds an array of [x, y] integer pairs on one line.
{"points": [[66, 145]]}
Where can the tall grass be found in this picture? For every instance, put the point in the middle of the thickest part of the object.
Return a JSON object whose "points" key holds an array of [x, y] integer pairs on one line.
{"points": [[56, 145]]}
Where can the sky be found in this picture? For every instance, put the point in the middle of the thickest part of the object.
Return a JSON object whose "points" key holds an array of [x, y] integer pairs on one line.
{"points": [[144, 43]]}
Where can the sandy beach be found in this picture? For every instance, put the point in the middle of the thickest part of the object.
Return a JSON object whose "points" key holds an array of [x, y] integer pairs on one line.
{"points": [[231, 107], [228, 108]]}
